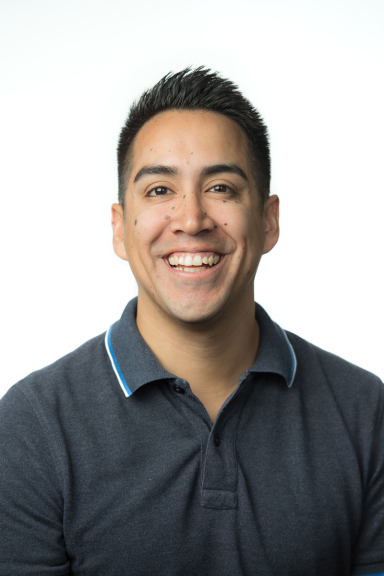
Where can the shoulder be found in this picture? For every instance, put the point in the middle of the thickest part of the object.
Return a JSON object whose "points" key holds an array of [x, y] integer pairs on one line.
{"points": [[55, 406], [74, 376], [331, 375], [319, 362]]}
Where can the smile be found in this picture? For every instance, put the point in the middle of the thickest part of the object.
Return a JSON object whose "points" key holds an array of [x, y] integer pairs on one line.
{"points": [[193, 262]]}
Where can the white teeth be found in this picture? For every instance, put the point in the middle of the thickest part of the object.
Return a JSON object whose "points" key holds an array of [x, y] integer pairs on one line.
{"points": [[197, 261], [194, 269]]}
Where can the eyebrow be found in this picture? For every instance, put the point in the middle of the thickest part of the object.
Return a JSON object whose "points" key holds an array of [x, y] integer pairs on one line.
{"points": [[222, 168], [207, 171], [154, 170]]}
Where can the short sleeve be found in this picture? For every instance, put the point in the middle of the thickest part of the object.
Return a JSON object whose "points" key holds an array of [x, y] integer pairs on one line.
{"points": [[368, 550], [31, 503]]}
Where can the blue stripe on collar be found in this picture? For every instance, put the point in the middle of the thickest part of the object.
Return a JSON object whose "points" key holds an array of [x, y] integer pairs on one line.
{"points": [[276, 354], [134, 362], [115, 366], [293, 358]]}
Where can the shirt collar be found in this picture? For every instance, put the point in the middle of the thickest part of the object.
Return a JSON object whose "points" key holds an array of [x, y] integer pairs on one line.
{"points": [[276, 354], [135, 364]]}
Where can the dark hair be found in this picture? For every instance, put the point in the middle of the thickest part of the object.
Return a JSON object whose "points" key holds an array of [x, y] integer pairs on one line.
{"points": [[198, 89]]}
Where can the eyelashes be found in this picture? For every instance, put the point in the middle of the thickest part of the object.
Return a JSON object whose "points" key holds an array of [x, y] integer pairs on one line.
{"points": [[222, 189], [159, 191]]}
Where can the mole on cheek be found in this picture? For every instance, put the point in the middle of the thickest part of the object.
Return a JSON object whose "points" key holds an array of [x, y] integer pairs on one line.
{"points": [[166, 218], [215, 226], [173, 207], [184, 196], [224, 200], [225, 223], [135, 222]]}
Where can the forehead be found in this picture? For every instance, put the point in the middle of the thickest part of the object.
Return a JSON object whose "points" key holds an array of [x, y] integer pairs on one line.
{"points": [[191, 137]]}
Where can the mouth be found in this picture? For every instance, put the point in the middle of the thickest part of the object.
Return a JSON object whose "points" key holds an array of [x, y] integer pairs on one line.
{"points": [[193, 261]]}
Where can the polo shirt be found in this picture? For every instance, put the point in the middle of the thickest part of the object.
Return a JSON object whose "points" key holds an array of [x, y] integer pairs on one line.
{"points": [[109, 465]]}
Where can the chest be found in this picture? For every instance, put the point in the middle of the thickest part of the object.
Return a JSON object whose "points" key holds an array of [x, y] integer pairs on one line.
{"points": [[261, 488]]}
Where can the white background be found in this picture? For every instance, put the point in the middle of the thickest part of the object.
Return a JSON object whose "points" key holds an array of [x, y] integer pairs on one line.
{"points": [[69, 71]]}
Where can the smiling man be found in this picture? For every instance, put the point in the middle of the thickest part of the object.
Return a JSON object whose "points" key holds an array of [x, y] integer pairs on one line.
{"points": [[195, 437], [193, 226]]}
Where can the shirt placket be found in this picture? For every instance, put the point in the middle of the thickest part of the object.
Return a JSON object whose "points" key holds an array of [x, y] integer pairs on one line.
{"points": [[218, 443]]}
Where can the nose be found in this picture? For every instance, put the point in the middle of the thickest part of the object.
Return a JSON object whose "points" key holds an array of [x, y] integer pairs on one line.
{"points": [[191, 217]]}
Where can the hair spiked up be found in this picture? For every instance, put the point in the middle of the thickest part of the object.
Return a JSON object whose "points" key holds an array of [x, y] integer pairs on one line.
{"points": [[198, 89]]}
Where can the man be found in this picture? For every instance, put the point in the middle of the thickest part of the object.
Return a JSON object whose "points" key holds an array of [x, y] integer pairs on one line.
{"points": [[196, 437]]}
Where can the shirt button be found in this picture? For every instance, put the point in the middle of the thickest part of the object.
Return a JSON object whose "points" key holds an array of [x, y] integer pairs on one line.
{"points": [[178, 389], [216, 440]]}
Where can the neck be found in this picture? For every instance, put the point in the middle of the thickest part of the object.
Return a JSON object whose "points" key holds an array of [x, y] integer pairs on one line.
{"points": [[211, 356]]}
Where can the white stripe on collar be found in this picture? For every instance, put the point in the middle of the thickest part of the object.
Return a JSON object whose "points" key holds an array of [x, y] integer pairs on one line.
{"points": [[115, 366], [127, 391]]}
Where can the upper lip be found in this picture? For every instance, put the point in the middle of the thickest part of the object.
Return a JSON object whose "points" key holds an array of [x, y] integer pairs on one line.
{"points": [[194, 251]]}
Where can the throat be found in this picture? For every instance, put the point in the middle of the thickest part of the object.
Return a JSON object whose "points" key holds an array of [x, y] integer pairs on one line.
{"points": [[211, 358], [214, 396]]}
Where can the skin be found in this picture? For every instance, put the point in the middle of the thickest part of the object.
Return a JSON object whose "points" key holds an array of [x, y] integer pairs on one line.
{"points": [[200, 325]]}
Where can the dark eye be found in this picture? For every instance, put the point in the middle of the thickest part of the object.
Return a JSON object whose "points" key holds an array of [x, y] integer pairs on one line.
{"points": [[159, 191], [222, 189]]}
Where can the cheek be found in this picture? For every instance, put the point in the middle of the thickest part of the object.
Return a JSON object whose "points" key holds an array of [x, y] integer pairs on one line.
{"points": [[144, 229], [238, 223], [245, 228]]}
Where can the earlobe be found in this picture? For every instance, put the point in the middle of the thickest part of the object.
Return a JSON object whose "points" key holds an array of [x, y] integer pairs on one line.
{"points": [[118, 228], [271, 220]]}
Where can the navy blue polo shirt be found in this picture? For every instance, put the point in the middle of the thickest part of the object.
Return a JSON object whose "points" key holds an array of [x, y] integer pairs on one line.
{"points": [[109, 465]]}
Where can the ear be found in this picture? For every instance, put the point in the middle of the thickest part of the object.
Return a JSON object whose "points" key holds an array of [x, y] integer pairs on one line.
{"points": [[271, 220], [118, 231]]}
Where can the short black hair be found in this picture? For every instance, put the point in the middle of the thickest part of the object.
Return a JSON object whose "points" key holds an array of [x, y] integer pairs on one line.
{"points": [[198, 89]]}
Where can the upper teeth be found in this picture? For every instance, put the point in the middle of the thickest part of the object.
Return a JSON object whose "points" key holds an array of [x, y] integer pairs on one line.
{"points": [[195, 261]]}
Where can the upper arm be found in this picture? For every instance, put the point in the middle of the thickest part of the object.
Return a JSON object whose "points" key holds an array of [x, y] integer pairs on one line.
{"points": [[368, 550], [31, 504]]}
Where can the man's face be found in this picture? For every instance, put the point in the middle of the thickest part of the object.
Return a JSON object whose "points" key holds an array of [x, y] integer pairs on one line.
{"points": [[192, 229]]}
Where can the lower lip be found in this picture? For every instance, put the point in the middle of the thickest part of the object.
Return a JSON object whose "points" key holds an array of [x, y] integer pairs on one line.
{"points": [[199, 274]]}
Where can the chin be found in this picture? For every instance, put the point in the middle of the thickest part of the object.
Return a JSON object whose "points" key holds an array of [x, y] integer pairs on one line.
{"points": [[195, 311]]}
